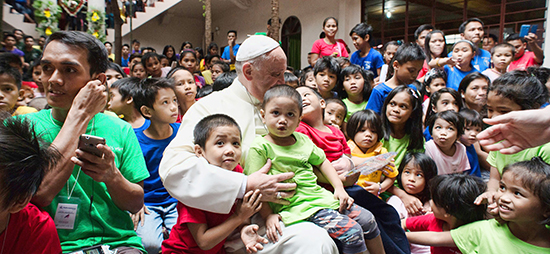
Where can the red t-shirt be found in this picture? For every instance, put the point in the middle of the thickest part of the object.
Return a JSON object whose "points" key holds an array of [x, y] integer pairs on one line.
{"points": [[428, 222], [321, 48], [425, 69], [181, 240], [528, 59], [30, 231], [334, 144]]}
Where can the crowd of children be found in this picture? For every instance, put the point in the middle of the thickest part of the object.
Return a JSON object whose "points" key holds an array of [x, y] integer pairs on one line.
{"points": [[414, 99]]}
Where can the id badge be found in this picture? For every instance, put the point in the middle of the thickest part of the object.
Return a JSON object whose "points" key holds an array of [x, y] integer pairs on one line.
{"points": [[66, 212]]}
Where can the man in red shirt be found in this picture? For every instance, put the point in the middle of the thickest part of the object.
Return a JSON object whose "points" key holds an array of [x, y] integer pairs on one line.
{"points": [[523, 58]]}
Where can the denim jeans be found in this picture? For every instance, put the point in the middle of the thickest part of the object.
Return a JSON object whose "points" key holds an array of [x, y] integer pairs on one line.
{"points": [[151, 232]]}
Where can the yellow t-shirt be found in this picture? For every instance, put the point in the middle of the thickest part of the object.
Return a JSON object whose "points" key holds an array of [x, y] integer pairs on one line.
{"points": [[21, 110], [373, 151]]}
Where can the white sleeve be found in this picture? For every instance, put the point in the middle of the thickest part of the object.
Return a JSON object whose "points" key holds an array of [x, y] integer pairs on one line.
{"points": [[192, 180]]}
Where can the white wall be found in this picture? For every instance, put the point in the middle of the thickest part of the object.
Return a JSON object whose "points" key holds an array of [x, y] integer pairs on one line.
{"points": [[311, 14], [169, 28]]}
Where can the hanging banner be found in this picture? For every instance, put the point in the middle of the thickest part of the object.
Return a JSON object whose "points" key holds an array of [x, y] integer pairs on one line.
{"points": [[72, 7]]}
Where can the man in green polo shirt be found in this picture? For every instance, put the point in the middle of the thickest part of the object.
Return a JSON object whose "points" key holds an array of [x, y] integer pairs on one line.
{"points": [[88, 196]]}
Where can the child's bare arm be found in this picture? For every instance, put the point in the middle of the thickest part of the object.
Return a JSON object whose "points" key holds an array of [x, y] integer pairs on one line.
{"points": [[482, 155], [387, 183], [442, 239], [339, 193], [207, 238]]}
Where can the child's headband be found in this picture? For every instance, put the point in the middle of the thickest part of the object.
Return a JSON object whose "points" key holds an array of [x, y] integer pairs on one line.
{"points": [[469, 42]]}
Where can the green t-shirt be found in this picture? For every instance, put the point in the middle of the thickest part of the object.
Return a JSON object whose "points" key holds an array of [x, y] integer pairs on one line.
{"points": [[297, 158], [100, 221], [499, 160], [352, 107], [400, 147], [489, 236]]}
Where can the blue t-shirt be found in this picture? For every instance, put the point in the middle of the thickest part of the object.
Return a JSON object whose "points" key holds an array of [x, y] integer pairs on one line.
{"points": [[145, 125], [371, 62], [226, 55], [378, 96], [481, 61], [454, 76], [154, 192], [124, 62], [475, 169], [427, 135]]}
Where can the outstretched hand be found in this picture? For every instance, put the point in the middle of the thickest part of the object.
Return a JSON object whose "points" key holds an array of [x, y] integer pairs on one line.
{"points": [[516, 131], [252, 241]]}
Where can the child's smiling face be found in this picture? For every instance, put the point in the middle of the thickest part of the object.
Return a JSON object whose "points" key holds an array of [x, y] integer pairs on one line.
{"points": [[312, 105], [516, 203]]}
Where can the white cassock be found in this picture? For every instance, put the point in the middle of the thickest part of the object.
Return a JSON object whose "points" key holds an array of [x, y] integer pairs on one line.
{"points": [[198, 184]]}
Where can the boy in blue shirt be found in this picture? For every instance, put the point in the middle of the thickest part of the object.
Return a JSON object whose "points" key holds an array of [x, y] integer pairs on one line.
{"points": [[156, 100], [365, 56], [121, 102]]}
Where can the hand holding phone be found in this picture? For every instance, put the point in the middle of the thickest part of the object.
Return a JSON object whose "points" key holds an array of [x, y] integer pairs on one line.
{"points": [[88, 143]]}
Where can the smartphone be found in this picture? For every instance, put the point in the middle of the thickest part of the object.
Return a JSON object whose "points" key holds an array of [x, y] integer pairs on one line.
{"points": [[88, 143], [524, 30], [534, 29]]}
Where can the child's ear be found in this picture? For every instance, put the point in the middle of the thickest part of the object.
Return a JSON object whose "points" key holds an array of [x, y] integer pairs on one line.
{"points": [[262, 114], [21, 95], [19, 205], [428, 90], [395, 65], [146, 111], [367, 38], [323, 103], [462, 94], [198, 151], [129, 100]]}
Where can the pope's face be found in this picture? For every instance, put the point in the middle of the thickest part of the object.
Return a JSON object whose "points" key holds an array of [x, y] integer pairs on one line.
{"points": [[268, 73]]}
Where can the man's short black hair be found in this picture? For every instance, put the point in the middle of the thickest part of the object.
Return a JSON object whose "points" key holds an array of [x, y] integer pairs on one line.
{"points": [[27, 37], [125, 45], [97, 54], [135, 55], [147, 90], [462, 26], [12, 72], [205, 126], [362, 29], [10, 35], [492, 36], [135, 41], [232, 31], [456, 194], [24, 160], [421, 29], [17, 30], [513, 37], [105, 43]]}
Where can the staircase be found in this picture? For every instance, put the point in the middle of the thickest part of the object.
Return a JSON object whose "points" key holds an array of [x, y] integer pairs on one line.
{"points": [[143, 17], [15, 20]]}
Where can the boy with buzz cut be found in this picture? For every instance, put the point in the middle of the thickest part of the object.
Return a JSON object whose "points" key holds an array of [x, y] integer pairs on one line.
{"points": [[156, 100], [217, 139], [24, 159], [10, 85], [121, 102], [501, 56], [365, 56]]}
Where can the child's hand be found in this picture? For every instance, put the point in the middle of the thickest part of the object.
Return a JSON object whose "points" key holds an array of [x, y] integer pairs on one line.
{"points": [[372, 187], [345, 200], [413, 205], [250, 204], [488, 198], [273, 228], [252, 241], [139, 216]]}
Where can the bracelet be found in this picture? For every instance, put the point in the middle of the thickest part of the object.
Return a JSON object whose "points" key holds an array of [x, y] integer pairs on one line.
{"points": [[438, 62], [379, 189]]}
